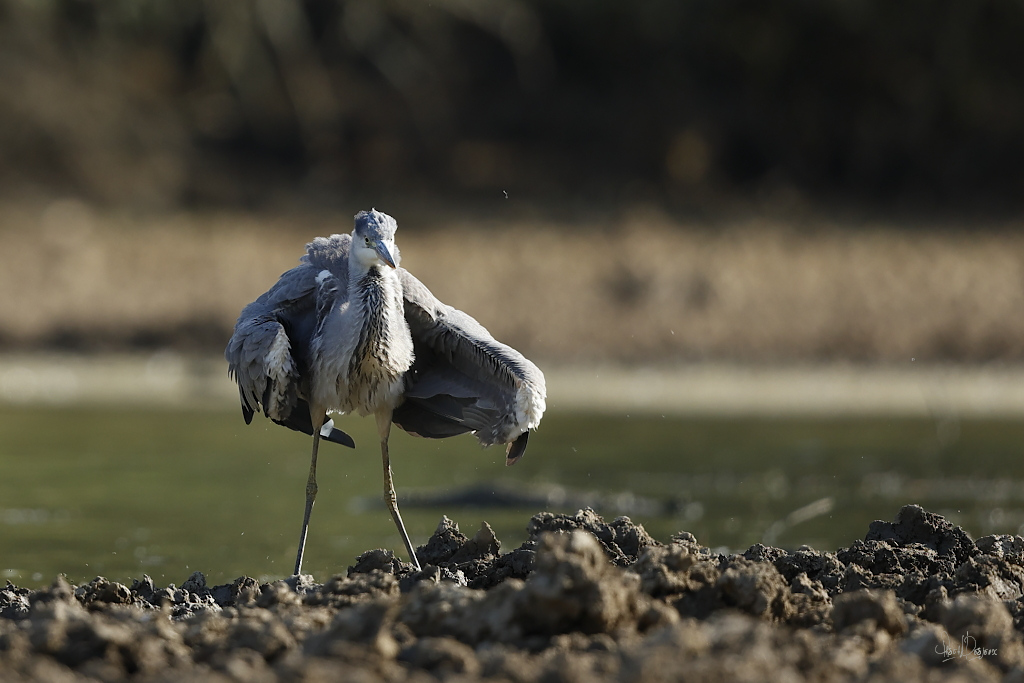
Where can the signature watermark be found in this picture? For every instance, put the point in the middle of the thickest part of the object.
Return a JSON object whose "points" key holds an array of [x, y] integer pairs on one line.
{"points": [[966, 649]]}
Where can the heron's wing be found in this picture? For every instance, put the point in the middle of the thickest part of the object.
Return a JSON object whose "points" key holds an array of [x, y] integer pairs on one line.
{"points": [[463, 379], [268, 354]]}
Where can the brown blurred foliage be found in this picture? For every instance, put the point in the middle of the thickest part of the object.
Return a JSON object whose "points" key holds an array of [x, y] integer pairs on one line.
{"points": [[167, 103], [639, 289]]}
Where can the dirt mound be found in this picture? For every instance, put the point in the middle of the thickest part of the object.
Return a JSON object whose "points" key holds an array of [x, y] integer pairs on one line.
{"points": [[582, 599]]}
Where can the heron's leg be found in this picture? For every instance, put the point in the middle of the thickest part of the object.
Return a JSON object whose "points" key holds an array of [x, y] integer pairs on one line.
{"points": [[318, 416], [384, 429]]}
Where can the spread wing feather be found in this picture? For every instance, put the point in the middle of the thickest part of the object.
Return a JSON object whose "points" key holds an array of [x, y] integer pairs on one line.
{"points": [[464, 379], [268, 353]]}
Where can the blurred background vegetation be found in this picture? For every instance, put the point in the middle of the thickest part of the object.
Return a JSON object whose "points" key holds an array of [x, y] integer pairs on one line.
{"points": [[169, 103], [757, 181]]}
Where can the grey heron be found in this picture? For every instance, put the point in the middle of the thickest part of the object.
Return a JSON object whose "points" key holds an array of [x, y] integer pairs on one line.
{"points": [[348, 330]]}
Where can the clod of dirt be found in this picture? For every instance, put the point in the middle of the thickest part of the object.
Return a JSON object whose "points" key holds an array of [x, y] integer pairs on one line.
{"points": [[483, 547], [867, 610], [914, 526], [442, 657], [621, 539], [514, 565], [100, 592], [474, 558], [1002, 545], [14, 602], [196, 583], [756, 588], [379, 560], [476, 561], [662, 569], [823, 567], [367, 625], [988, 574], [245, 590], [574, 588], [443, 544]]}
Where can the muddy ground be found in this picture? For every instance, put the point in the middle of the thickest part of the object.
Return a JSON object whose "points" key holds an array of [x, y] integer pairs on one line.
{"points": [[582, 600]]}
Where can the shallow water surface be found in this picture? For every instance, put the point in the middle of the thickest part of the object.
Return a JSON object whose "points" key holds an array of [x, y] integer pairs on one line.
{"points": [[126, 492]]}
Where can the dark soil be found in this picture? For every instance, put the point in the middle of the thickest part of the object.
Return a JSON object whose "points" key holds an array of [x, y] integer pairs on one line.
{"points": [[582, 600]]}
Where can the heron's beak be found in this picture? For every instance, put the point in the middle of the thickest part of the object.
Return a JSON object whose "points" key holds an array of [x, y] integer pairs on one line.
{"points": [[384, 254]]}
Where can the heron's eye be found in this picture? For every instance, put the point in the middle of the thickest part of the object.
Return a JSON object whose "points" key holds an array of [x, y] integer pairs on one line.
{"points": [[367, 241]]}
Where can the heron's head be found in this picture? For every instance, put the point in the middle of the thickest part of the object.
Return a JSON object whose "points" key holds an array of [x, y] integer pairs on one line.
{"points": [[373, 240]]}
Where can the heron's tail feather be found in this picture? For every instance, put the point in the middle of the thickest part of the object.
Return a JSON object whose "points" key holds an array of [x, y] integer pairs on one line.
{"points": [[247, 411], [331, 433], [516, 449], [300, 421]]}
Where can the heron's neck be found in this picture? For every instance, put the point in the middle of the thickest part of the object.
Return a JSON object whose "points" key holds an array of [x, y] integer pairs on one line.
{"points": [[376, 295], [374, 287], [360, 275], [374, 276]]}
